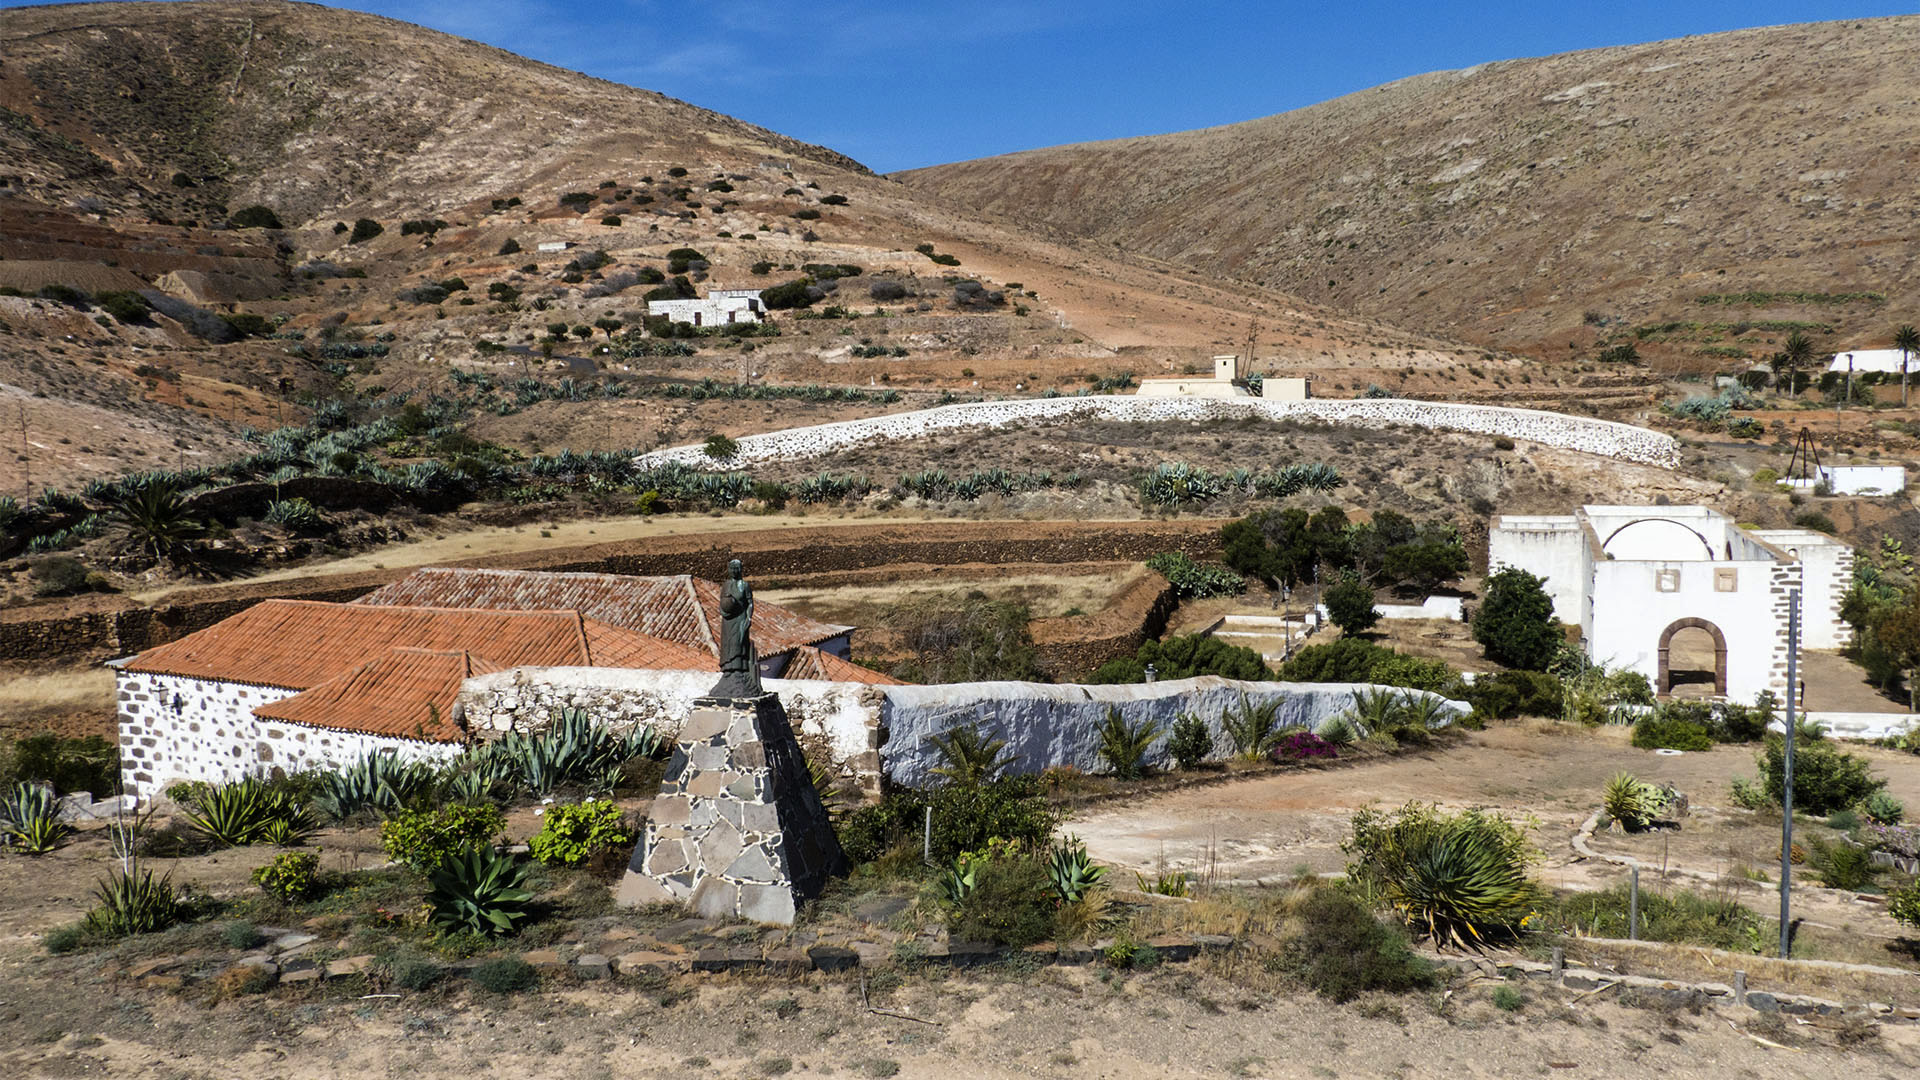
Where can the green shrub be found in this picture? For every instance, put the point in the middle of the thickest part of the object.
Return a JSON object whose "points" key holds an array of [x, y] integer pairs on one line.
{"points": [[1184, 656], [1676, 916], [720, 447], [255, 217], [88, 763], [792, 294], [1882, 808], [1010, 903], [291, 877], [1660, 730], [1817, 521], [965, 818], [1508, 694], [1124, 745], [1192, 580], [1904, 903], [125, 307], [64, 294], [364, 230], [65, 939], [1508, 999], [1825, 778], [423, 839], [379, 782], [1349, 604], [506, 975], [1460, 879], [571, 834], [479, 891], [1191, 741], [1342, 951], [1515, 623], [415, 974], [1841, 865]]}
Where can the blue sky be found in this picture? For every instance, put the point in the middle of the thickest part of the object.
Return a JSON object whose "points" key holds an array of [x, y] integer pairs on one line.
{"points": [[903, 83]]}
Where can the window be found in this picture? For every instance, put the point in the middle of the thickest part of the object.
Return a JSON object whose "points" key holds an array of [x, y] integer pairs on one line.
{"points": [[1666, 580], [1727, 580]]}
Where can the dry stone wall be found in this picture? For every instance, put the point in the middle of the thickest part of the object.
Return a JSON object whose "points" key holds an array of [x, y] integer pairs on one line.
{"points": [[1606, 438]]}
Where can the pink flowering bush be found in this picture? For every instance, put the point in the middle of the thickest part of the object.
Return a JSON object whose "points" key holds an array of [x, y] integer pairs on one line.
{"points": [[1302, 746]]}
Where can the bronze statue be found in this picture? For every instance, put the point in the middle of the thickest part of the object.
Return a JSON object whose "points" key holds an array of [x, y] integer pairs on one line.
{"points": [[739, 666]]}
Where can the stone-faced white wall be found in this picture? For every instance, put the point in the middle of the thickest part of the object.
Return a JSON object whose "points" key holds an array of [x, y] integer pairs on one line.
{"points": [[1604, 437], [1826, 572], [527, 699], [174, 728]]}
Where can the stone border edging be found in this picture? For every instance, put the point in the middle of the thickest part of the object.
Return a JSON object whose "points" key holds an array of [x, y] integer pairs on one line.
{"points": [[1607, 438], [1592, 823]]}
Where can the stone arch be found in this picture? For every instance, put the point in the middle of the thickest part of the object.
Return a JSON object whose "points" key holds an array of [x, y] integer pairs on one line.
{"points": [[1665, 685], [1705, 544]]}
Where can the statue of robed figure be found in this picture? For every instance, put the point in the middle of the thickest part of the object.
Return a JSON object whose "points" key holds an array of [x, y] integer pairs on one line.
{"points": [[739, 666]]}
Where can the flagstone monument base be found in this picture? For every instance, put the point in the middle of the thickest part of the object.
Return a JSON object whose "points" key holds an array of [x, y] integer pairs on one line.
{"points": [[737, 829]]}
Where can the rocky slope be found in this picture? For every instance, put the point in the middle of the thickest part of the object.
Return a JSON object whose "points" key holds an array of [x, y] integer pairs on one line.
{"points": [[1539, 203]]}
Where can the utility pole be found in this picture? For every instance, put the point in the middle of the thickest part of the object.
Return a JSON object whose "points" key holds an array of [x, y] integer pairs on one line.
{"points": [[1786, 778]]}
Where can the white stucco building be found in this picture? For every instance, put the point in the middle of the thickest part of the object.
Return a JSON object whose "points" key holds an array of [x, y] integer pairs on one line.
{"points": [[1861, 361], [1227, 381], [1635, 578], [720, 307]]}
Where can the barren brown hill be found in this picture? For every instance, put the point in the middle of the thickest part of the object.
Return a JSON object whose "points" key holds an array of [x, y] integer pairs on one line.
{"points": [[133, 137], [1536, 203]]}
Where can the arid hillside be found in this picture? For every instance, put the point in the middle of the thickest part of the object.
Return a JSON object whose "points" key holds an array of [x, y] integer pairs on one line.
{"points": [[323, 206], [1720, 184]]}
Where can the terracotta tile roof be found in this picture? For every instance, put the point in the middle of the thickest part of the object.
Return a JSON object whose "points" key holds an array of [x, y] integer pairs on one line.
{"points": [[298, 644], [811, 663], [679, 608], [408, 693]]}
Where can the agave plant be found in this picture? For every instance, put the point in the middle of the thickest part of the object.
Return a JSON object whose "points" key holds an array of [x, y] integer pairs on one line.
{"points": [[957, 883], [1337, 732], [30, 819], [1250, 727], [1461, 879], [295, 513], [232, 815], [1167, 883], [1631, 803], [157, 520], [379, 782], [1071, 871], [968, 757], [479, 890], [1124, 745]]}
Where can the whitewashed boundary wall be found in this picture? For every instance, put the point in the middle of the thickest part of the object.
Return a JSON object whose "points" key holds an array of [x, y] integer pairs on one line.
{"points": [[173, 728], [884, 729], [1606, 438]]}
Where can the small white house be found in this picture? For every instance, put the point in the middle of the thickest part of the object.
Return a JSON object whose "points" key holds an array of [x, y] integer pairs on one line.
{"points": [[720, 307], [1636, 578], [1227, 381], [1861, 361], [549, 246]]}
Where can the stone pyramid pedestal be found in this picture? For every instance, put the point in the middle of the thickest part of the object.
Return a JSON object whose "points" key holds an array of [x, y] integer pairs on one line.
{"points": [[737, 829]]}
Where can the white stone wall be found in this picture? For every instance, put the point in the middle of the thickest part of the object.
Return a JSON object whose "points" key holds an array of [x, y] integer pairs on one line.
{"points": [[174, 728], [526, 700], [1603, 437], [1555, 548], [1630, 613], [1826, 572], [712, 311]]}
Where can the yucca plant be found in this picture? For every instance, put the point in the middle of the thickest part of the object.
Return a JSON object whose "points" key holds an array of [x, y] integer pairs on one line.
{"points": [[30, 819], [1250, 727], [1632, 804], [128, 903], [479, 890], [969, 757], [1124, 745], [1462, 879], [1071, 871]]}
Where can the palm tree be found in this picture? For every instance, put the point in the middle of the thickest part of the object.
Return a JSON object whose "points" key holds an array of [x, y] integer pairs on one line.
{"points": [[968, 757], [1798, 350], [1907, 340]]}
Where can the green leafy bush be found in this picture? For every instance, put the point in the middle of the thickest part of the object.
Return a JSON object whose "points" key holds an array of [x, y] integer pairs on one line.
{"points": [[255, 217], [1825, 778], [1841, 865], [364, 230], [1184, 656], [965, 818], [1342, 951], [88, 763], [1515, 623], [720, 447], [478, 891], [423, 839], [1190, 741], [1904, 903], [1009, 904], [1349, 604], [572, 834], [124, 306], [1460, 879], [506, 975], [1664, 730], [291, 877], [1508, 694], [1882, 808], [1192, 580]]}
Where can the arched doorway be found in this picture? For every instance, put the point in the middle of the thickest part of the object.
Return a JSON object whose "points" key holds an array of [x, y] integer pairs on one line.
{"points": [[1693, 659]]}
